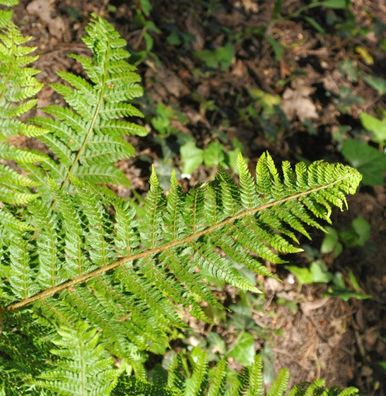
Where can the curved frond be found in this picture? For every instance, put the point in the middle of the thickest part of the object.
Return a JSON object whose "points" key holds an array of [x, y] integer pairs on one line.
{"points": [[135, 277]]}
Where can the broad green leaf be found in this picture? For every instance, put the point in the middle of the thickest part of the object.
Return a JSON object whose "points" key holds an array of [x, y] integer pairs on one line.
{"points": [[214, 154], [277, 47], [191, 156], [243, 350], [316, 25], [317, 273], [369, 161], [331, 243], [382, 364], [335, 4], [375, 126], [379, 84], [225, 56], [339, 289], [146, 7], [363, 229]]}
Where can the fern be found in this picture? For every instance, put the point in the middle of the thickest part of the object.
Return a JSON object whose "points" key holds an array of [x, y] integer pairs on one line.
{"points": [[84, 237], [72, 252], [220, 380], [84, 368], [186, 375], [87, 137], [18, 85], [5, 12]]}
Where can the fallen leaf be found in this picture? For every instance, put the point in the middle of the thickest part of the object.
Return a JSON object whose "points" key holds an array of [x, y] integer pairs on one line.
{"points": [[172, 83], [197, 32], [43, 10], [250, 5], [297, 102], [309, 306]]}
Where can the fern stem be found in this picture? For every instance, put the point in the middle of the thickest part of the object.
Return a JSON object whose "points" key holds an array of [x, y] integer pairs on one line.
{"points": [[159, 249]]}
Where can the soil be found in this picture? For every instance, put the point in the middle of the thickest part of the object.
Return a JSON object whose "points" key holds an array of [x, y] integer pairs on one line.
{"points": [[340, 341]]}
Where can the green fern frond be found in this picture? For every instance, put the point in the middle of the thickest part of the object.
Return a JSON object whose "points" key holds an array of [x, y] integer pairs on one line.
{"points": [[158, 275], [6, 14], [9, 3], [83, 367], [87, 136], [217, 375], [279, 385], [256, 380], [18, 85], [190, 376], [319, 388]]}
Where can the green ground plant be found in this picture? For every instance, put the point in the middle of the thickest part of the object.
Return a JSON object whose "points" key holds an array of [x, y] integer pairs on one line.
{"points": [[91, 283]]}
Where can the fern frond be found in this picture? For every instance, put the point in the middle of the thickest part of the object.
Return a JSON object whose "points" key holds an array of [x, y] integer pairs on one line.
{"points": [[83, 368], [219, 380], [9, 3], [18, 85], [256, 380], [87, 136], [279, 385], [158, 275], [318, 387], [6, 14], [197, 382], [31, 340]]}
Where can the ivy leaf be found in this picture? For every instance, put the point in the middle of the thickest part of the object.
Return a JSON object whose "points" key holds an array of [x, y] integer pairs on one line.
{"points": [[375, 126], [362, 229], [369, 161], [221, 57], [243, 350], [379, 84], [317, 273], [192, 157], [331, 243], [214, 154]]}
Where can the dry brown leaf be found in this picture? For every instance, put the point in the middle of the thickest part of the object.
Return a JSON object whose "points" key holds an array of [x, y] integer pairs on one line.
{"points": [[172, 83], [297, 102], [249, 5], [43, 9], [196, 30], [309, 306]]}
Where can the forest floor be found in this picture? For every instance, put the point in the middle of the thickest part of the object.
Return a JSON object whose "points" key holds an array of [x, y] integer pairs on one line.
{"points": [[246, 75]]}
